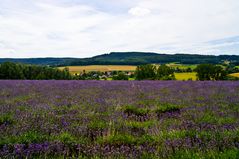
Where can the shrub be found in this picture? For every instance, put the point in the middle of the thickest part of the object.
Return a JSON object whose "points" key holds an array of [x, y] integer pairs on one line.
{"points": [[66, 138], [135, 110], [97, 124], [31, 137], [126, 139], [24, 138], [146, 139], [6, 119], [163, 108]]}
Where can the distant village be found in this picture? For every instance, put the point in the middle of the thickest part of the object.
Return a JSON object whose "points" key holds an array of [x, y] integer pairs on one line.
{"points": [[106, 75]]}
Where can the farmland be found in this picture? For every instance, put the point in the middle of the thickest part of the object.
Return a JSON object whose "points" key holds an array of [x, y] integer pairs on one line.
{"points": [[119, 119], [102, 68], [105, 68], [182, 66], [235, 74], [186, 76]]}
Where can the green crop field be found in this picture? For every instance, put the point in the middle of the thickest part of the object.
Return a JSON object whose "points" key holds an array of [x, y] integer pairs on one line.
{"points": [[185, 76], [181, 66]]}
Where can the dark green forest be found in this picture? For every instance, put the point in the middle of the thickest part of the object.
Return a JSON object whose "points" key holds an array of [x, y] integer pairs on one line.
{"points": [[129, 58], [9, 70]]}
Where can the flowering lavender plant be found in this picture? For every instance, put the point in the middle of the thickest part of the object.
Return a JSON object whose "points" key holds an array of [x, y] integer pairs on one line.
{"points": [[125, 119]]}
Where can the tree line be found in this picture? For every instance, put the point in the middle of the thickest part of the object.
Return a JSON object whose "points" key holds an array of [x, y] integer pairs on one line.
{"points": [[129, 58], [211, 72], [204, 72], [9, 70], [142, 58], [152, 72]]}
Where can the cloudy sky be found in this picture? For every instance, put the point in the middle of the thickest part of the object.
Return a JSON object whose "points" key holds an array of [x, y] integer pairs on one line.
{"points": [[84, 28]]}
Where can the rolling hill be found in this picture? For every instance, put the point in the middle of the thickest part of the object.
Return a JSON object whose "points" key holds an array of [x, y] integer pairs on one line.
{"points": [[128, 58]]}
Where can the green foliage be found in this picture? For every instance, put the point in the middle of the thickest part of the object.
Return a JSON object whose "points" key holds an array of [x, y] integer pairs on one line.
{"points": [[69, 139], [21, 71], [97, 124], [231, 77], [151, 72], [23, 108], [231, 68], [31, 137], [6, 119], [165, 73], [210, 117], [167, 107], [24, 138], [145, 139], [210, 72], [11, 71], [147, 155], [129, 58], [170, 134], [66, 138], [120, 76], [135, 110], [145, 72], [119, 139], [186, 154]]}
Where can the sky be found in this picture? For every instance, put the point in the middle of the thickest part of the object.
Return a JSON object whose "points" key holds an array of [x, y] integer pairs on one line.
{"points": [[85, 28]]}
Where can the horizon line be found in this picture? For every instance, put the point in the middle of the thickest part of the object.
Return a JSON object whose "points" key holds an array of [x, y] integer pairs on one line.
{"points": [[39, 57]]}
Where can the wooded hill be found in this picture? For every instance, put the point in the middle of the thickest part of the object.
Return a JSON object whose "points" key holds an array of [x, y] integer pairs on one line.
{"points": [[129, 58]]}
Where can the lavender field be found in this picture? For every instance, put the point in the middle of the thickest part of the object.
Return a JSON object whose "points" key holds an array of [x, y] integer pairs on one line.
{"points": [[113, 119]]}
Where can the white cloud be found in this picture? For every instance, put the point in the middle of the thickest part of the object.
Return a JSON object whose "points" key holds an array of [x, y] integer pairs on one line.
{"points": [[59, 28], [138, 11]]}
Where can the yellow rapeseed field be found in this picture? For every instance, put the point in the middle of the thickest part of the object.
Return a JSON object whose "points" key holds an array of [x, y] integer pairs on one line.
{"points": [[235, 74], [102, 68], [186, 76]]}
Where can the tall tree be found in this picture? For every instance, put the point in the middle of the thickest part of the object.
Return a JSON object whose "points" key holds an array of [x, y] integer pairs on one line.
{"points": [[210, 72], [165, 73], [145, 72], [151, 72]]}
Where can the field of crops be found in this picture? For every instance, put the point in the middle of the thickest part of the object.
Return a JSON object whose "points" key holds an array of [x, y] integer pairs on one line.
{"points": [[235, 74], [181, 66], [119, 119], [186, 76], [102, 68]]}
